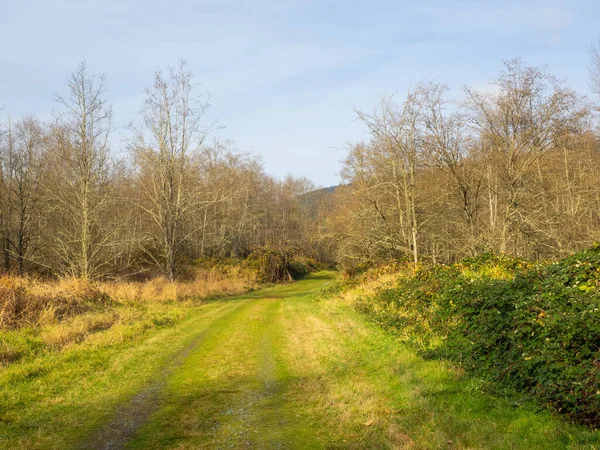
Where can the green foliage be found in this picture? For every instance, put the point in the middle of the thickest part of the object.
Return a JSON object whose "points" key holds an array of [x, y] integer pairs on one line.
{"points": [[535, 328]]}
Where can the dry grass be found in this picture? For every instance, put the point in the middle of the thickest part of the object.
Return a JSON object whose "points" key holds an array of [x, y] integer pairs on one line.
{"points": [[27, 302], [38, 316], [78, 328], [206, 283]]}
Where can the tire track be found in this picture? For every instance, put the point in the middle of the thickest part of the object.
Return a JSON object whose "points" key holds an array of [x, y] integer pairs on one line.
{"points": [[129, 417], [242, 416]]}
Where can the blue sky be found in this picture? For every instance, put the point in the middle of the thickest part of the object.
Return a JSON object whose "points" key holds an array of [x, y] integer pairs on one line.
{"points": [[285, 75]]}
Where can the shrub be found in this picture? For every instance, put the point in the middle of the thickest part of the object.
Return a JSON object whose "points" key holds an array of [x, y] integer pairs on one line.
{"points": [[535, 328], [273, 265]]}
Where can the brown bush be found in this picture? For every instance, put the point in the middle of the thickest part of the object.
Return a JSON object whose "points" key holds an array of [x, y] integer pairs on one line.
{"points": [[28, 302]]}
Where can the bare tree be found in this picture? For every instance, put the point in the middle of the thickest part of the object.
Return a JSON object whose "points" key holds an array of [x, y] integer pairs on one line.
{"points": [[5, 192], [531, 114], [80, 187], [449, 146], [395, 156], [164, 146], [25, 164]]}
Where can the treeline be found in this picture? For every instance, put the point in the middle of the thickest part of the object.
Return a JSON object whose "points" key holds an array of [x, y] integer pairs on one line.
{"points": [[69, 207], [513, 169]]}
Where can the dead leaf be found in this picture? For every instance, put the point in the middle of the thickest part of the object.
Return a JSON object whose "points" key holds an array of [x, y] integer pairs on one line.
{"points": [[369, 422]]}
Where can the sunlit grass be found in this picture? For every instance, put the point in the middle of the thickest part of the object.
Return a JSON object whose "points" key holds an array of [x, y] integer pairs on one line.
{"points": [[278, 368], [375, 392]]}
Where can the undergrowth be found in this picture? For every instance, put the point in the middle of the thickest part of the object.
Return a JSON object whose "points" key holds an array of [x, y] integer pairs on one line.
{"points": [[39, 316], [531, 327]]}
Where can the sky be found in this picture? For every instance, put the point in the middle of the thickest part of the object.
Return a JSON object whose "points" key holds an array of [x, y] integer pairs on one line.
{"points": [[285, 75]]}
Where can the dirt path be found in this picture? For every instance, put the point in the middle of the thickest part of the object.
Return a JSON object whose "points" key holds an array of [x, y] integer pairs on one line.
{"points": [[131, 416], [128, 418]]}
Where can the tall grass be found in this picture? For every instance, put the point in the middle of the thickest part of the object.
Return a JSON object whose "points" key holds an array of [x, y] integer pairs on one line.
{"points": [[28, 302], [44, 315], [206, 283]]}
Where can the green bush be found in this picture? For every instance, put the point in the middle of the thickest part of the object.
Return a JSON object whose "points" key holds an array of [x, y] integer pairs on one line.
{"points": [[534, 328]]}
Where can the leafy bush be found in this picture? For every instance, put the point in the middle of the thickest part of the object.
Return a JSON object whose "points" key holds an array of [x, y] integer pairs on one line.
{"points": [[533, 327]]}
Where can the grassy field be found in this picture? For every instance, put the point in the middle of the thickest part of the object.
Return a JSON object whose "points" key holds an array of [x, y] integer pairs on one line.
{"points": [[278, 368]]}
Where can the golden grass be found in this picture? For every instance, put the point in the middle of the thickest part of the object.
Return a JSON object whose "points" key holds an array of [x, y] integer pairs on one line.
{"points": [[323, 351], [36, 303], [370, 287], [205, 284], [38, 316], [78, 328], [28, 302]]}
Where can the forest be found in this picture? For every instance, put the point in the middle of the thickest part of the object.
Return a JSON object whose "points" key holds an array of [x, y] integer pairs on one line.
{"points": [[71, 208], [512, 170]]}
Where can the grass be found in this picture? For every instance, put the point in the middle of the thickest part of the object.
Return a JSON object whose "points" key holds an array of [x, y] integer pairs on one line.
{"points": [[236, 390], [279, 368], [377, 393], [204, 284], [56, 399], [43, 316]]}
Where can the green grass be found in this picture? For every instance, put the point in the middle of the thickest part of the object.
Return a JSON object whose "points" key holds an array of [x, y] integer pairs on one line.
{"points": [[53, 400], [380, 394], [277, 368]]}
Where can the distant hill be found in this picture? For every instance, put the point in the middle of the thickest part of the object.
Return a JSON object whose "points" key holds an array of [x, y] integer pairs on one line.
{"points": [[322, 191], [316, 197]]}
